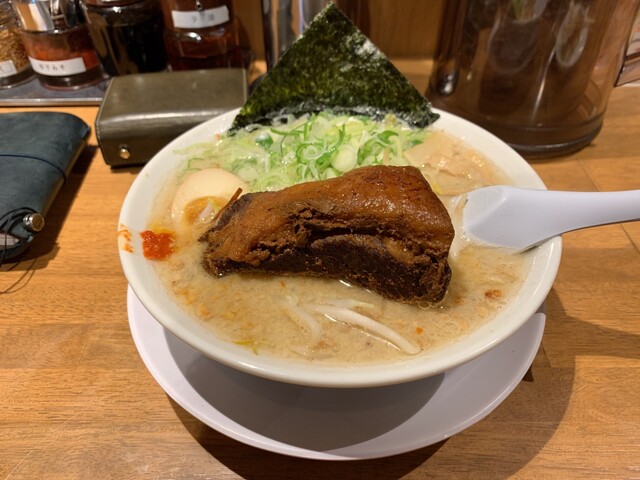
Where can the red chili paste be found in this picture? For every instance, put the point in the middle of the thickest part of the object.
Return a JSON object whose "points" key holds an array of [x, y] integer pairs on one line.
{"points": [[156, 246]]}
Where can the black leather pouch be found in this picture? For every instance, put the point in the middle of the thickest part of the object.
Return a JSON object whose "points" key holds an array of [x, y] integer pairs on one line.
{"points": [[141, 113], [37, 152]]}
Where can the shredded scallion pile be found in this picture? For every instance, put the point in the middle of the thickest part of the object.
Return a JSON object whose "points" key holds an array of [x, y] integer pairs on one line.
{"points": [[312, 147]]}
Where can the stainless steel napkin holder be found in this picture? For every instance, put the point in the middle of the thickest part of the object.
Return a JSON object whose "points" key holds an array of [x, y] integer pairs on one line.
{"points": [[142, 113]]}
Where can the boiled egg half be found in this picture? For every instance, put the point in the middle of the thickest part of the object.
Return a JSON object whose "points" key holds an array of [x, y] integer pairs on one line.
{"points": [[202, 195]]}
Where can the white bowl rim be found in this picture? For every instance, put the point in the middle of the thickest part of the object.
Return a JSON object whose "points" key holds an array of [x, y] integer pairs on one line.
{"points": [[145, 285]]}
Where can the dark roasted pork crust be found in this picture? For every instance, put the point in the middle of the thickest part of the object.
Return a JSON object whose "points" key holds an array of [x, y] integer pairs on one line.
{"points": [[378, 227]]}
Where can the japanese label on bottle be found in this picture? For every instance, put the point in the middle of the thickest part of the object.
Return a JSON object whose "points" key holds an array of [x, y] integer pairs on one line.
{"points": [[203, 19], [58, 68], [7, 68]]}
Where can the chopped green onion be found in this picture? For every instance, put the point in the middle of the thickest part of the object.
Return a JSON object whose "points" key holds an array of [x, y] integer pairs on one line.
{"points": [[312, 147], [345, 159]]}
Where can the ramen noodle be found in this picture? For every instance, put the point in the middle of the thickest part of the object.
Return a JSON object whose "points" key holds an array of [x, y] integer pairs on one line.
{"points": [[322, 320]]}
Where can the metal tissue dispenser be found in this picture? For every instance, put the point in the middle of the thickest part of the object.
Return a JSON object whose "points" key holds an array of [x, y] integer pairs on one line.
{"points": [[141, 113], [34, 168]]}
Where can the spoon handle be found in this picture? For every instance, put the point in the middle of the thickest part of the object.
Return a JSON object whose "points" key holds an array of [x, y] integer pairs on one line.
{"points": [[574, 210], [521, 218]]}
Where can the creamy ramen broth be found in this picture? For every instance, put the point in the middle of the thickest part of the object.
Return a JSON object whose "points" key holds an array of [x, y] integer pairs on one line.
{"points": [[279, 315]]}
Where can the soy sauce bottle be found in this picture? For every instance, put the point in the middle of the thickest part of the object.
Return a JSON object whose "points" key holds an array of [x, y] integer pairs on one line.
{"points": [[127, 34]]}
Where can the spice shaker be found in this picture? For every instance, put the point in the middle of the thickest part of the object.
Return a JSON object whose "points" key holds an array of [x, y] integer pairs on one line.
{"points": [[14, 64], [201, 34], [57, 42], [127, 35]]}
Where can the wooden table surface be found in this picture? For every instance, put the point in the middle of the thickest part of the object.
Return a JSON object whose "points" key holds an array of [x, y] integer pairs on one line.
{"points": [[76, 401]]}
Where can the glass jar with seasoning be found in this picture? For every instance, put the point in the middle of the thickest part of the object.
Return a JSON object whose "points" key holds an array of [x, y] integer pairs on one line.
{"points": [[201, 34], [14, 64], [127, 35], [58, 44]]}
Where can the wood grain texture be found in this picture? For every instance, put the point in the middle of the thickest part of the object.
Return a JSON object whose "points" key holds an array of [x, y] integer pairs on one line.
{"points": [[413, 32], [76, 401]]}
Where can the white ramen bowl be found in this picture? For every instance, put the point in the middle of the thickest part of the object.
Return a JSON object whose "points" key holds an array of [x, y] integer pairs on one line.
{"points": [[161, 305]]}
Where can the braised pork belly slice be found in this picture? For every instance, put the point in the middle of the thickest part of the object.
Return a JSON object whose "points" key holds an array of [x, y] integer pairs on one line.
{"points": [[378, 227]]}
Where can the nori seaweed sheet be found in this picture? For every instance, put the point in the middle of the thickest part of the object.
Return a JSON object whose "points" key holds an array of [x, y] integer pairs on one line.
{"points": [[334, 66]]}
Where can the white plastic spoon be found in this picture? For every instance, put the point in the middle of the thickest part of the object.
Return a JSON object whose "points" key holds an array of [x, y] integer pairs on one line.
{"points": [[521, 218]]}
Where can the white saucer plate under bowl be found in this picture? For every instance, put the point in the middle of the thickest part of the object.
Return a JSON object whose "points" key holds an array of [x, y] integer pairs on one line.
{"points": [[332, 423]]}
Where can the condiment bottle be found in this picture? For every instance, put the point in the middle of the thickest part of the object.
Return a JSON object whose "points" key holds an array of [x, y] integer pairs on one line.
{"points": [[201, 34], [57, 42], [127, 35], [14, 64]]}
